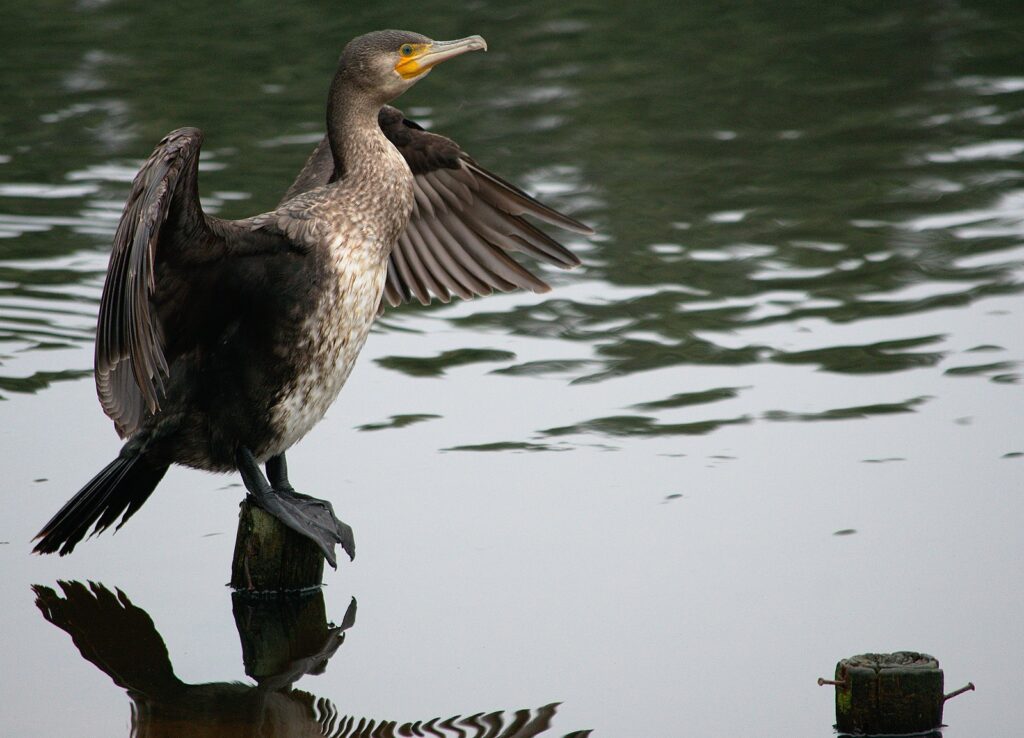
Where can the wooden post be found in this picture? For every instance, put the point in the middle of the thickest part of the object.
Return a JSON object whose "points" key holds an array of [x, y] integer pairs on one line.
{"points": [[270, 557], [886, 693]]}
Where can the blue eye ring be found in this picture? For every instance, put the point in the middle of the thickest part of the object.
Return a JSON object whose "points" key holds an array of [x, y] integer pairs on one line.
{"points": [[406, 50]]}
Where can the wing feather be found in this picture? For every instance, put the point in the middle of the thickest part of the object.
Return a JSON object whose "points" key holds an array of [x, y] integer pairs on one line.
{"points": [[394, 292], [432, 274], [408, 273], [465, 222], [443, 267], [469, 273], [423, 183], [130, 360]]}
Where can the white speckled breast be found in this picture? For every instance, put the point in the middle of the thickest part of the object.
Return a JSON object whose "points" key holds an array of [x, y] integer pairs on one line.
{"points": [[376, 209], [333, 336]]}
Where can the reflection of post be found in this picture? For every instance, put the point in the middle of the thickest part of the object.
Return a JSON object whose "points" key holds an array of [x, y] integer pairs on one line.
{"points": [[270, 557], [286, 637]]}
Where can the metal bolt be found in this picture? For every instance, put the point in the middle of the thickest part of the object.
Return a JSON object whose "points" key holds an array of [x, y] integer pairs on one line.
{"points": [[843, 684], [951, 695]]}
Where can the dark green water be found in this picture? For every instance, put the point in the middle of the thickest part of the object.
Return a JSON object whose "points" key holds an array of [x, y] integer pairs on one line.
{"points": [[801, 315]]}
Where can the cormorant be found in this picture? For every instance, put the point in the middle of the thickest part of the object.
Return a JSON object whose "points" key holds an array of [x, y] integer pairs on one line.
{"points": [[221, 343]]}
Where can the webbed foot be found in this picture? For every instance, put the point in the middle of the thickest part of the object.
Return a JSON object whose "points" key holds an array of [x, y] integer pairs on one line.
{"points": [[312, 517]]}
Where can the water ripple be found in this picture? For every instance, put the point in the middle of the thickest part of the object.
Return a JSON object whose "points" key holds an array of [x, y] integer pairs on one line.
{"points": [[436, 366], [398, 421], [849, 413], [726, 234], [641, 425], [882, 356]]}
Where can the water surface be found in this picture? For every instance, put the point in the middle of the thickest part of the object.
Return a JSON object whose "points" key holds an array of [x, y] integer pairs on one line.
{"points": [[773, 421]]}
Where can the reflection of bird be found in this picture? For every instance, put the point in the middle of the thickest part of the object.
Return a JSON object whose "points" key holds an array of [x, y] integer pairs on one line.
{"points": [[221, 343], [120, 639]]}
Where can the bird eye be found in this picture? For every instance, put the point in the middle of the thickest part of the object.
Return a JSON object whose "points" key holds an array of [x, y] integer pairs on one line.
{"points": [[406, 50]]}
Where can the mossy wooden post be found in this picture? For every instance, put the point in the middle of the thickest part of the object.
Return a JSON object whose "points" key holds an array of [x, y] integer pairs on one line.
{"points": [[885, 693], [272, 558]]}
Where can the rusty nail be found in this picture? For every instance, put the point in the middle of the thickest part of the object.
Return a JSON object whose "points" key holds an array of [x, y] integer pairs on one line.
{"points": [[951, 695], [823, 682]]}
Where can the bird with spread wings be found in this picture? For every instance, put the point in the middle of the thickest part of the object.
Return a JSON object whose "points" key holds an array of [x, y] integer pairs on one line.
{"points": [[220, 343]]}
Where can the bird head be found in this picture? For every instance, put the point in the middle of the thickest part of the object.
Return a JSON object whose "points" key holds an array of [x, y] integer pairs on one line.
{"points": [[390, 62]]}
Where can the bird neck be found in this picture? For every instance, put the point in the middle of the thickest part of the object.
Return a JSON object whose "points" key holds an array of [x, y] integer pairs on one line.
{"points": [[352, 128]]}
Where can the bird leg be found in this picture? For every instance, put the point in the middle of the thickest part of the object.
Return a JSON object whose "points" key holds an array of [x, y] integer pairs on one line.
{"points": [[277, 474], [312, 517]]}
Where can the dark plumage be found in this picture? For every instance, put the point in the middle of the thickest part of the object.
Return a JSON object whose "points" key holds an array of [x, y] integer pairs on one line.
{"points": [[220, 343]]}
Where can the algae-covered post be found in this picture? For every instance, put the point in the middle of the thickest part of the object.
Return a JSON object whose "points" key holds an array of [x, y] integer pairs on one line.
{"points": [[270, 557], [889, 693]]}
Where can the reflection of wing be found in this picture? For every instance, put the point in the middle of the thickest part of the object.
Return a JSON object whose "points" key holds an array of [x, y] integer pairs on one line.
{"points": [[112, 633], [519, 724], [464, 223]]}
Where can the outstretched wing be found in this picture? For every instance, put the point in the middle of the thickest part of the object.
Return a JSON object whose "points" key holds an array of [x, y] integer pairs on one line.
{"points": [[162, 221], [465, 221]]}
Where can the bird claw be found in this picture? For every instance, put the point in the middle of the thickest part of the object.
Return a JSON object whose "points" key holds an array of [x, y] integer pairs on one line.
{"points": [[313, 518]]}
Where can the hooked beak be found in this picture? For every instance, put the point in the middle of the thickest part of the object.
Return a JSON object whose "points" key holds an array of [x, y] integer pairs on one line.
{"points": [[427, 56]]}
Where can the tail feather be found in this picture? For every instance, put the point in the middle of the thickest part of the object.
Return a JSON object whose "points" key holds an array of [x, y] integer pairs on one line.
{"points": [[120, 489]]}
